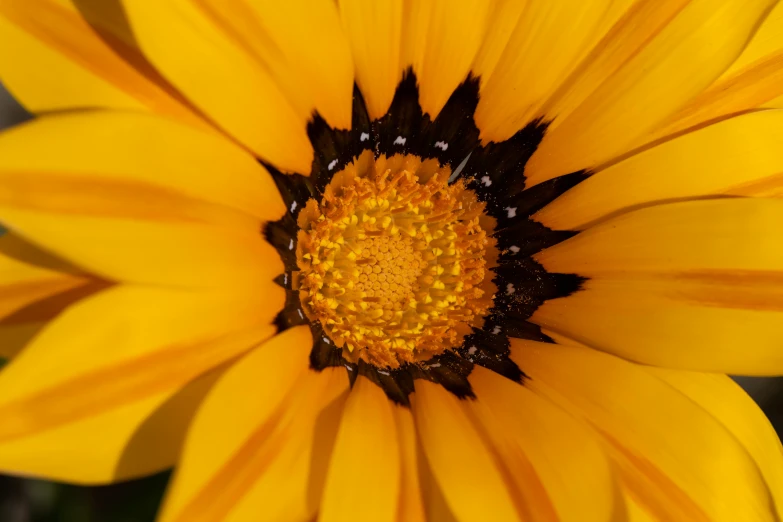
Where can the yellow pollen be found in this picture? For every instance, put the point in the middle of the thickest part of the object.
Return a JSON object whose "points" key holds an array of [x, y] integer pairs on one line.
{"points": [[394, 261]]}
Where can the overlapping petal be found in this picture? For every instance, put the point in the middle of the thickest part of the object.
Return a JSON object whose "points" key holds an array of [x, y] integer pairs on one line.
{"points": [[736, 157], [547, 43], [707, 475], [652, 84], [80, 402], [187, 211], [463, 464], [76, 54], [754, 80], [251, 68], [260, 444], [35, 287], [681, 285], [545, 453]]}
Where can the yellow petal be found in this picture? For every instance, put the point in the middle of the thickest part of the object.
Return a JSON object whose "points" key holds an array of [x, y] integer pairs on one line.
{"points": [[634, 29], [461, 461], [547, 43], [76, 398], [411, 505], [738, 156], [694, 49], [502, 21], [107, 146], [28, 275], [754, 80], [677, 461], [52, 59], [693, 285], [363, 481], [186, 212], [375, 32], [35, 288], [261, 455], [253, 69], [546, 453], [441, 39], [725, 400]]}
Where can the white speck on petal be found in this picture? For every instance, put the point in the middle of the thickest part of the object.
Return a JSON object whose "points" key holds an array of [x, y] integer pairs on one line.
{"points": [[442, 145], [293, 206], [459, 168], [383, 372], [486, 181], [364, 136], [496, 330], [512, 211], [472, 350], [400, 140], [332, 164], [514, 249], [291, 245], [327, 341], [349, 368], [510, 289], [301, 315], [436, 365], [285, 278]]}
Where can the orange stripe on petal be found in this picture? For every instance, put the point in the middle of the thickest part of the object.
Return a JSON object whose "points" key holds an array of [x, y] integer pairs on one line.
{"points": [[91, 66]]}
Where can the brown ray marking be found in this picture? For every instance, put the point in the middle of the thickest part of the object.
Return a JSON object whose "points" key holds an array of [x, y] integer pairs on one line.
{"points": [[85, 195], [651, 487], [768, 186], [102, 389], [58, 27]]}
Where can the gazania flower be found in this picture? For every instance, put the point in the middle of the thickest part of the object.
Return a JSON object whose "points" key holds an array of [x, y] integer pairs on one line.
{"points": [[396, 260]]}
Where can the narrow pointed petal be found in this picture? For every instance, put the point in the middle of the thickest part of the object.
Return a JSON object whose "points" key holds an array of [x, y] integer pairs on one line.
{"points": [[77, 396], [364, 477], [725, 400], [547, 43], [675, 459], [461, 461], [633, 30], [546, 452], [754, 80], [502, 21], [660, 79], [53, 59], [186, 212], [375, 33], [741, 155], [251, 68], [684, 284], [441, 39], [261, 455]]}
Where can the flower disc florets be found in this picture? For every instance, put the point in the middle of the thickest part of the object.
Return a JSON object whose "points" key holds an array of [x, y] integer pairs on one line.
{"points": [[393, 261]]}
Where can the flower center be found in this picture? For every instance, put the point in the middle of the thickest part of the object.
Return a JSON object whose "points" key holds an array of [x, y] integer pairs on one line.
{"points": [[394, 261]]}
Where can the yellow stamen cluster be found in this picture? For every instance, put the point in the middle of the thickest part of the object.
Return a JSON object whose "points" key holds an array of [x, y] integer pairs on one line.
{"points": [[394, 261]]}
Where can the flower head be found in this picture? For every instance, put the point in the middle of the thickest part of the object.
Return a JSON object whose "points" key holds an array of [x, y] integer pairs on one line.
{"points": [[420, 260]]}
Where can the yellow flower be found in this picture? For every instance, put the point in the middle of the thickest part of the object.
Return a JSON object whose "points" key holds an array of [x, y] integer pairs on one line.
{"points": [[396, 260]]}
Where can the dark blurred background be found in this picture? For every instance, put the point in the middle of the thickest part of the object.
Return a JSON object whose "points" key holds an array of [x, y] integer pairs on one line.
{"points": [[27, 500]]}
